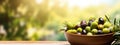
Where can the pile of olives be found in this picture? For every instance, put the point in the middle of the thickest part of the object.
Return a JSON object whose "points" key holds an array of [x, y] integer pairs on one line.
{"points": [[92, 27]]}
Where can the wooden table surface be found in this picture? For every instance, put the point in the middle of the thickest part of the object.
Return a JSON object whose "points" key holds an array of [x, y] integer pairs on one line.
{"points": [[34, 43]]}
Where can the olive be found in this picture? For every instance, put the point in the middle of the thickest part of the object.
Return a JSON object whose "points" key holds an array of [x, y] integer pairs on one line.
{"points": [[77, 26], [94, 25], [107, 24], [99, 32], [70, 25], [92, 18], [105, 19], [105, 30], [83, 24], [101, 20], [84, 32], [79, 30], [89, 23], [94, 31], [89, 34], [88, 28], [100, 26], [72, 31]]}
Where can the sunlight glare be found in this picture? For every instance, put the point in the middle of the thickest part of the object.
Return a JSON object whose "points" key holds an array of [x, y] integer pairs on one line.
{"points": [[39, 1], [84, 3], [51, 3], [79, 3]]}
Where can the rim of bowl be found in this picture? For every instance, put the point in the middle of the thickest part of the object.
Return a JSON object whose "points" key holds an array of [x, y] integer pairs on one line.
{"points": [[90, 36]]}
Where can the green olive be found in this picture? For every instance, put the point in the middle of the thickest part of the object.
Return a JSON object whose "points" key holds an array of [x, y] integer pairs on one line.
{"points": [[89, 34], [100, 26], [88, 29], [94, 25], [105, 30], [107, 24], [79, 29], [94, 31], [72, 31]]}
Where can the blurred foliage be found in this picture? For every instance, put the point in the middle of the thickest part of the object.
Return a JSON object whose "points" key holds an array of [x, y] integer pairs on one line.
{"points": [[28, 20]]}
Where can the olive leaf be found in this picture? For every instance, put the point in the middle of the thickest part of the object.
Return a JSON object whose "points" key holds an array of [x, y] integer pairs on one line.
{"points": [[117, 42], [119, 22], [107, 18], [115, 21]]}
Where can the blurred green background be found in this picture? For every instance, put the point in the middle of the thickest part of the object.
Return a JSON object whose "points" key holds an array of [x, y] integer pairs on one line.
{"points": [[41, 20]]}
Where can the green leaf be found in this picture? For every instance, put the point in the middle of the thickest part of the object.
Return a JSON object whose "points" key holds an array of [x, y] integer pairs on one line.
{"points": [[115, 21], [107, 18]]}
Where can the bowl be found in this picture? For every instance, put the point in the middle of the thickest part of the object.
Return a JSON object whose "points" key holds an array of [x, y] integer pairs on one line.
{"points": [[77, 39]]}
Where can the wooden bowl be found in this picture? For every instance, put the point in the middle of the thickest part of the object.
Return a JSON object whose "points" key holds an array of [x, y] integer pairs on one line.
{"points": [[77, 39]]}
